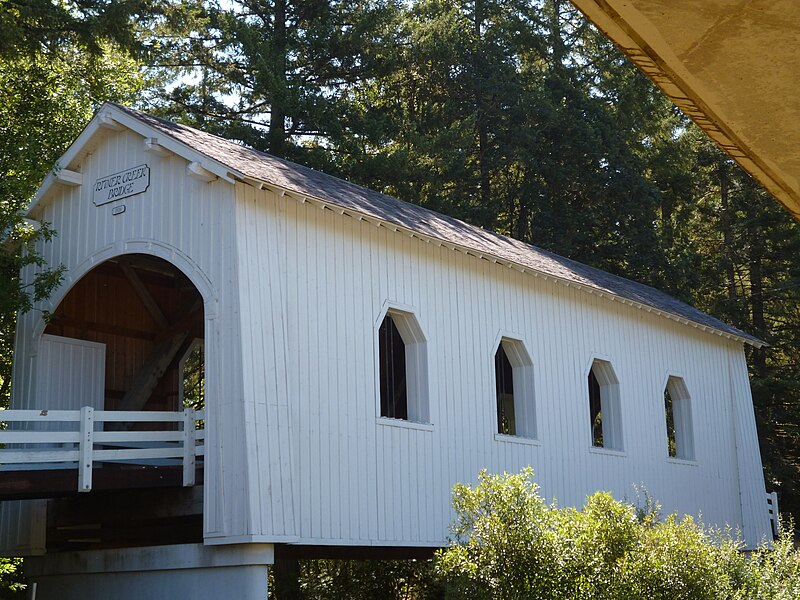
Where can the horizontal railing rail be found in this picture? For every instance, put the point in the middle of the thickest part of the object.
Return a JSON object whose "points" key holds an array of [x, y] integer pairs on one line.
{"points": [[29, 441]]}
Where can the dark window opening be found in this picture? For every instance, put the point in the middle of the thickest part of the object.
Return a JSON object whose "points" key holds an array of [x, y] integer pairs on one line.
{"points": [[394, 387], [504, 378], [595, 410], [668, 409]]}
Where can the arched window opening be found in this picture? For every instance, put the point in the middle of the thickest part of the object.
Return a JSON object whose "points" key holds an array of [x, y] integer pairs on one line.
{"points": [[403, 368], [394, 388], [678, 413], [516, 409], [605, 413], [596, 410]]}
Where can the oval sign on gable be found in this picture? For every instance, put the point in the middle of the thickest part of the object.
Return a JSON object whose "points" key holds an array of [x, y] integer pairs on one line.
{"points": [[121, 185]]}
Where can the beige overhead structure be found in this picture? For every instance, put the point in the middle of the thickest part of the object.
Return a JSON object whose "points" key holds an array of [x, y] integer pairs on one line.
{"points": [[733, 66]]}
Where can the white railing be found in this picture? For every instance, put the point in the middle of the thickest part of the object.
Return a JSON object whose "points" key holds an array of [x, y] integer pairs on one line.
{"points": [[772, 508], [34, 440]]}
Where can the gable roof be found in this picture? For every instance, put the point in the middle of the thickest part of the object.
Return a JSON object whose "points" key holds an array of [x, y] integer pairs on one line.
{"points": [[258, 167]]}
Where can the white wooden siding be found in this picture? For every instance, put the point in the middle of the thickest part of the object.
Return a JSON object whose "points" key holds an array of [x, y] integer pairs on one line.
{"points": [[357, 479]]}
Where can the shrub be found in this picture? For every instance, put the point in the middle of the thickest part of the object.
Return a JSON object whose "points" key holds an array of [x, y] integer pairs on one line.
{"points": [[507, 543]]}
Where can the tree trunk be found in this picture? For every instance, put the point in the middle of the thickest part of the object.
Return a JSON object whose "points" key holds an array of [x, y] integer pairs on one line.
{"points": [[522, 225], [556, 41], [480, 117], [727, 235], [755, 265], [277, 121], [667, 208]]}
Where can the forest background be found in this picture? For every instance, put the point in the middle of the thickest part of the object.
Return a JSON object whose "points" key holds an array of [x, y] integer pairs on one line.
{"points": [[514, 115]]}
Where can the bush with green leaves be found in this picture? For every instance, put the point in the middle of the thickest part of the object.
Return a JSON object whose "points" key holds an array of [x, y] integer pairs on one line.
{"points": [[12, 580], [508, 543], [324, 579]]}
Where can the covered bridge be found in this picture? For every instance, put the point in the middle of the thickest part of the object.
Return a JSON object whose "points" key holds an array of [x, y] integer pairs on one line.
{"points": [[249, 357]]}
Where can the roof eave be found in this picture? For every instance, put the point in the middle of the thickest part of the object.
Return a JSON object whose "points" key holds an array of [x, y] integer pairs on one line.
{"points": [[108, 115], [322, 203]]}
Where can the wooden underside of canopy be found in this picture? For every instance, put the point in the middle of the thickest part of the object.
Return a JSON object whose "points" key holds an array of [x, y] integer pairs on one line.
{"points": [[733, 66]]}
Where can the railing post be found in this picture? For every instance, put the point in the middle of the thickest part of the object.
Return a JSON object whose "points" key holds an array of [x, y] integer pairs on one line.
{"points": [[85, 448], [188, 447], [772, 501]]}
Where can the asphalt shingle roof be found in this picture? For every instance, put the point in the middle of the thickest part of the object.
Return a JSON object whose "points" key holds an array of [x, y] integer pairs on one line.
{"points": [[309, 182]]}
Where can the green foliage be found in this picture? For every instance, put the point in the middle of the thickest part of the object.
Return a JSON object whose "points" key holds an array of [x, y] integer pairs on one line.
{"points": [[358, 580], [504, 541], [194, 378], [749, 276], [508, 543], [506, 114], [46, 98], [32, 26], [354, 580], [270, 73], [12, 580]]}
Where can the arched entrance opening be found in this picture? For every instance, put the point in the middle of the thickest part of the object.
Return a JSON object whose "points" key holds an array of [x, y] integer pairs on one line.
{"points": [[149, 317], [127, 336]]}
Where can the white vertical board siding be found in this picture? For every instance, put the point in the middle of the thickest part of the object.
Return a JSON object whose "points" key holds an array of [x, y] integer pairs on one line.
{"points": [[260, 253], [755, 523], [70, 374], [190, 224], [357, 479]]}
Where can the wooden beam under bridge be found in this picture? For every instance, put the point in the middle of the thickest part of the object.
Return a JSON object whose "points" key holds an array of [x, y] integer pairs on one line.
{"points": [[60, 483]]}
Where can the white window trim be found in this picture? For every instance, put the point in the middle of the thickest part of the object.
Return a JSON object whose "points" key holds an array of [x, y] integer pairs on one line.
{"points": [[683, 461], [408, 323], [610, 406], [683, 419], [516, 439], [402, 423], [525, 406], [607, 451]]}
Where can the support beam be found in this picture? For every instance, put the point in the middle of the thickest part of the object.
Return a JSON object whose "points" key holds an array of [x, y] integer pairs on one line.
{"points": [[107, 121], [94, 327], [63, 483], [287, 578], [148, 377], [69, 178], [167, 345], [182, 324], [198, 171], [152, 146], [144, 294]]}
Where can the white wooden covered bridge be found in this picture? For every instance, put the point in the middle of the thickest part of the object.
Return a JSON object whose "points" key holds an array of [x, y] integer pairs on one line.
{"points": [[356, 355]]}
